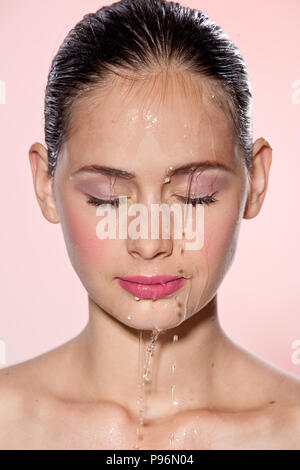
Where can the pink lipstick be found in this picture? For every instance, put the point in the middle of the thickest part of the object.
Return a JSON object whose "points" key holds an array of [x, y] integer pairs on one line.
{"points": [[151, 287]]}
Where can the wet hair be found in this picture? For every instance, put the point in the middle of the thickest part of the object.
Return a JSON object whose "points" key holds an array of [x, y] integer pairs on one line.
{"points": [[138, 36]]}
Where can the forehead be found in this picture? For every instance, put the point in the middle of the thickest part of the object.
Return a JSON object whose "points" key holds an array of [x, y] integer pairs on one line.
{"points": [[174, 117]]}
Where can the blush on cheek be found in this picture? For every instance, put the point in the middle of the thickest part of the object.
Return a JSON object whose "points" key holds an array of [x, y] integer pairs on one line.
{"points": [[82, 240], [220, 245]]}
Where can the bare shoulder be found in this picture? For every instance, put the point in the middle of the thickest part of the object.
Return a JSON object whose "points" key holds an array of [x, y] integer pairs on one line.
{"points": [[270, 397], [261, 382], [292, 418], [12, 406], [13, 386], [25, 395], [11, 400], [282, 427]]}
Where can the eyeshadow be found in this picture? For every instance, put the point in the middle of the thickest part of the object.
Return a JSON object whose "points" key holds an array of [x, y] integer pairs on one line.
{"points": [[96, 186], [201, 183]]}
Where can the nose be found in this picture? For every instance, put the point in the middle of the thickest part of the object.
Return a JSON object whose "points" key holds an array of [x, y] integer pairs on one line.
{"points": [[148, 249]]}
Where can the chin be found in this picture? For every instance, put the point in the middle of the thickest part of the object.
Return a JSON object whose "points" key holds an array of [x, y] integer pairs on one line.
{"points": [[159, 316]]}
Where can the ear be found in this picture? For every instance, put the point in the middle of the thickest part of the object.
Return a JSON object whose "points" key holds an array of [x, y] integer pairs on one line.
{"points": [[43, 182], [259, 176]]}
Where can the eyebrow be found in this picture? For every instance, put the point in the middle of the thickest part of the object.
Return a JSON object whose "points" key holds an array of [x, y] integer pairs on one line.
{"points": [[182, 169], [105, 170], [206, 165]]}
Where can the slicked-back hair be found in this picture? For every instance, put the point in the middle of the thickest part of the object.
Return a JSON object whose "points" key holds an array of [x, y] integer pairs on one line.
{"points": [[138, 36]]}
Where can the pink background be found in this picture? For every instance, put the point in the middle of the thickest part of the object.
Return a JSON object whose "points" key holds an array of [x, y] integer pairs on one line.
{"points": [[42, 302]]}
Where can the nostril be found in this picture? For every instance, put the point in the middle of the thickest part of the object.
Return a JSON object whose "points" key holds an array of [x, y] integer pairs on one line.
{"points": [[149, 249]]}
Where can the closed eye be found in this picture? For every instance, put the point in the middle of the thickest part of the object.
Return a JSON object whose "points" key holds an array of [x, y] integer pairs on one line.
{"points": [[99, 202], [209, 199]]}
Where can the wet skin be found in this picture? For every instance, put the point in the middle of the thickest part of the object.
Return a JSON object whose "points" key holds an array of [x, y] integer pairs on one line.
{"points": [[84, 393]]}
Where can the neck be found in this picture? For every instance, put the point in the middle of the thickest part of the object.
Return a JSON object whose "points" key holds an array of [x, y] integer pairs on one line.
{"points": [[112, 359]]}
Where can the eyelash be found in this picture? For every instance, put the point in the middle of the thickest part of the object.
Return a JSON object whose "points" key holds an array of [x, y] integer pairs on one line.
{"points": [[99, 202], [198, 200]]}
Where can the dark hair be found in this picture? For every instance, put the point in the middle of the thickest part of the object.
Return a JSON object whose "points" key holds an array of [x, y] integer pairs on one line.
{"points": [[136, 35]]}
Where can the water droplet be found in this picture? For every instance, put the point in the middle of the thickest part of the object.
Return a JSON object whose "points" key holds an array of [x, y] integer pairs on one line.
{"points": [[137, 298], [175, 338], [173, 367], [149, 350], [167, 180], [174, 401], [129, 317], [140, 398], [171, 439]]}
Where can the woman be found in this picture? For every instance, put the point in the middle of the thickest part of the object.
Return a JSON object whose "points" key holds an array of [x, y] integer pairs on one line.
{"points": [[149, 102]]}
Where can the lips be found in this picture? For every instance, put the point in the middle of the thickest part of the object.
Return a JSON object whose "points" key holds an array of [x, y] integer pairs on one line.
{"points": [[151, 287]]}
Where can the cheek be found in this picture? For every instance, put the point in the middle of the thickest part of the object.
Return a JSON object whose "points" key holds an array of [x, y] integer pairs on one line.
{"points": [[221, 239], [82, 241]]}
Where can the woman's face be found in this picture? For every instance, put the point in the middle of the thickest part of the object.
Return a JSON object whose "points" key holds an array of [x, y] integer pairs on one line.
{"points": [[149, 132]]}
